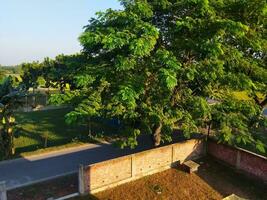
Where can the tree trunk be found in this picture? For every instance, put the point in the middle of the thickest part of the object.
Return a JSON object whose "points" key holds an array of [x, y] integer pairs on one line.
{"points": [[89, 127], [33, 98], [263, 104], [209, 128], [157, 135]]}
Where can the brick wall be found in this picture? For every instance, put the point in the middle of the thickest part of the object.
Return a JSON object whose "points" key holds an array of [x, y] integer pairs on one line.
{"points": [[248, 162], [110, 173]]}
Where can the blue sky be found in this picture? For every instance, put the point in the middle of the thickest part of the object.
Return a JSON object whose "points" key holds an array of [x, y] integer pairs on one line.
{"points": [[34, 29]]}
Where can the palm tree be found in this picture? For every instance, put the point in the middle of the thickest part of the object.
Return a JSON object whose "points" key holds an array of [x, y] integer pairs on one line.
{"points": [[10, 100]]}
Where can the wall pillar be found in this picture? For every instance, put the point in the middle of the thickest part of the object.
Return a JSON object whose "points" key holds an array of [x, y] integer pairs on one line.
{"points": [[238, 158], [3, 194], [81, 180], [133, 166]]}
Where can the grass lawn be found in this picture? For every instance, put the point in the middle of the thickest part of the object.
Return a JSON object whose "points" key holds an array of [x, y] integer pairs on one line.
{"points": [[35, 125]]}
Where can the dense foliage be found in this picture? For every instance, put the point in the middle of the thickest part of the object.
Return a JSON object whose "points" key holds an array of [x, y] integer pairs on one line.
{"points": [[10, 100], [54, 73], [12, 71], [154, 65]]}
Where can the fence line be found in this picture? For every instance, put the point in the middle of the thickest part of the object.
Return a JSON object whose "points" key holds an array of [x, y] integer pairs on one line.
{"points": [[107, 174], [245, 161], [3, 192]]}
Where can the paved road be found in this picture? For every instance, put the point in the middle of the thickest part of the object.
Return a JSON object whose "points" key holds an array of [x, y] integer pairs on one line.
{"points": [[23, 171]]}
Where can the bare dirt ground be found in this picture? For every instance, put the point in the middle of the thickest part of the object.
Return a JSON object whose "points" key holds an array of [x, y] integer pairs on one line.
{"points": [[228, 181], [172, 184], [212, 181]]}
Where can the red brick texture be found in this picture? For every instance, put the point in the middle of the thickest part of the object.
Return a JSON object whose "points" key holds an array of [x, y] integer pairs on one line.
{"points": [[248, 162], [110, 173]]}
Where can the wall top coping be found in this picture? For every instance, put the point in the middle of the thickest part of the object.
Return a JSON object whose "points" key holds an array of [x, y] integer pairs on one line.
{"points": [[240, 149], [142, 152], [2, 186], [109, 160]]}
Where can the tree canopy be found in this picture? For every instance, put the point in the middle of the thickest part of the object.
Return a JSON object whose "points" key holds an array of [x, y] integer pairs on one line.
{"points": [[55, 73], [154, 64]]}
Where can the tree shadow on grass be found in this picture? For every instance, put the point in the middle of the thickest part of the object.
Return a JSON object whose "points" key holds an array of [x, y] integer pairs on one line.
{"points": [[53, 122]]}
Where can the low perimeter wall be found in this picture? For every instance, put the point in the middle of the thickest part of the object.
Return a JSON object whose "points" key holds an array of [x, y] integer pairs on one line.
{"points": [[110, 173], [246, 161]]}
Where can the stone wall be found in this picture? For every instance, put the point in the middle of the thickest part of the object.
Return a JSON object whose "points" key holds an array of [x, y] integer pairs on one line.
{"points": [[110, 173], [250, 163]]}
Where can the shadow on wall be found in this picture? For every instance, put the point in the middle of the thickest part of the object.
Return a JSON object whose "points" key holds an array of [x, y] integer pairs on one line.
{"points": [[227, 181], [30, 170]]}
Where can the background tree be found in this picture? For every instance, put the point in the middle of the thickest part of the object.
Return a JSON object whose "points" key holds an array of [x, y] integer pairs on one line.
{"points": [[30, 74], [59, 73], [154, 64], [10, 100]]}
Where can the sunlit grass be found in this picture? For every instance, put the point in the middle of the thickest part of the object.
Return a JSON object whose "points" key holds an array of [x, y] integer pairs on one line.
{"points": [[36, 126]]}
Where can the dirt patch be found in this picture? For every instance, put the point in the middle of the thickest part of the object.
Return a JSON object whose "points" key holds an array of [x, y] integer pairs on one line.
{"points": [[229, 181], [54, 188], [212, 181], [171, 184]]}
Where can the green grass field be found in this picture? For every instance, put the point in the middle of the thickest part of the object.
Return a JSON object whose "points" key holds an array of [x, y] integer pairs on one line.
{"points": [[51, 123]]}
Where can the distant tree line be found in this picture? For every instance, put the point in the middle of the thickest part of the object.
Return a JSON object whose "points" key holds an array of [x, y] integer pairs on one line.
{"points": [[52, 73]]}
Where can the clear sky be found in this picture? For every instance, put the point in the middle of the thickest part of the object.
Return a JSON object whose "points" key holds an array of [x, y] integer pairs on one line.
{"points": [[34, 29]]}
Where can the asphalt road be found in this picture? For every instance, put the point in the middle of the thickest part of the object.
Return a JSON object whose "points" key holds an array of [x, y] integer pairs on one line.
{"points": [[24, 171]]}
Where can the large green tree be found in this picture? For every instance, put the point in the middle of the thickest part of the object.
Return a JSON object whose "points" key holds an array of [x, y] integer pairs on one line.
{"points": [[154, 64], [30, 74]]}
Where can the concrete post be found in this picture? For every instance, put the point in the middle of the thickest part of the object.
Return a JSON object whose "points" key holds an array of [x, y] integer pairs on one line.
{"points": [[238, 158], [133, 165], [81, 180], [3, 195], [174, 163]]}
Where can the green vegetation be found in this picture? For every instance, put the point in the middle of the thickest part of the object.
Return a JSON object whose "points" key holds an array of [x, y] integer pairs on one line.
{"points": [[14, 72], [154, 64], [261, 136], [10, 69], [10, 99], [35, 126], [52, 73]]}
